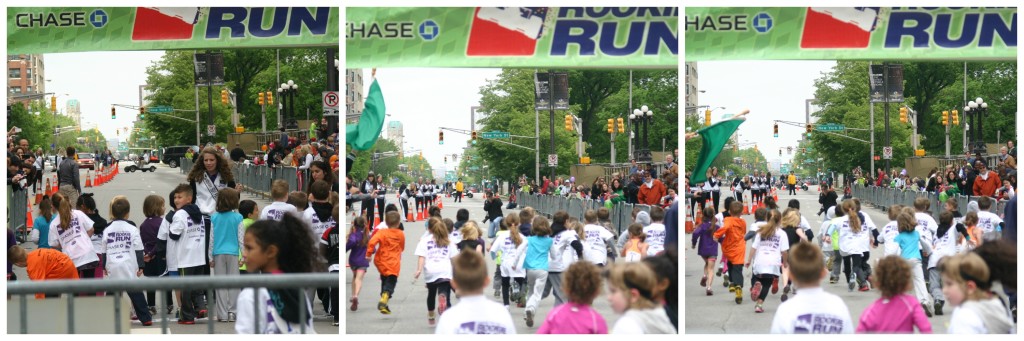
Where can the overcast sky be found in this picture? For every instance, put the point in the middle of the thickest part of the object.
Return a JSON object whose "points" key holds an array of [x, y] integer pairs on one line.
{"points": [[770, 89], [426, 99], [97, 80]]}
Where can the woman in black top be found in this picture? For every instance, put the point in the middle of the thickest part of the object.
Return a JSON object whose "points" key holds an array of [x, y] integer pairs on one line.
{"points": [[382, 189], [716, 186], [369, 186]]}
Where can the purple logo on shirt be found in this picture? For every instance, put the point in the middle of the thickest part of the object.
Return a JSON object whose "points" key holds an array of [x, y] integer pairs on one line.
{"points": [[481, 328], [817, 324]]}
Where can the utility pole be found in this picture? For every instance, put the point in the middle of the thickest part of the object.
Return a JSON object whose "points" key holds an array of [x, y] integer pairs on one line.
{"points": [[629, 128], [551, 111], [209, 90], [885, 87], [199, 142]]}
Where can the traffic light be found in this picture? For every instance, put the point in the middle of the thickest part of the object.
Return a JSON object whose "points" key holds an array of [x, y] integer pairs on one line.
{"points": [[421, 156], [903, 115], [755, 148], [113, 113], [735, 148], [568, 122], [473, 137], [446, 159], [956, 117], [440, 137], [622, 127], [789, 150], [780, 151], [270, 98], [224, 96], [809, 128], [945, 117], [53, 103], [776, 130], [259, 99], [707, 117], [142, 112], [611, 125]]}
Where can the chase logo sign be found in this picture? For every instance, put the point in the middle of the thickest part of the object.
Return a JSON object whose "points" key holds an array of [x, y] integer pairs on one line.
{"points": [[429, 30], [98, 18]]}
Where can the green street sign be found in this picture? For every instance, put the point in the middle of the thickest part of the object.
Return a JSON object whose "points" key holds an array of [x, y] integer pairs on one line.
{"points": [[160, 109], [830, 127], [495, 135], [809, 160]]}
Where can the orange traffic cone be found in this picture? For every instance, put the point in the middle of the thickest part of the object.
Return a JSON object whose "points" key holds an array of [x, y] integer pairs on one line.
{"points": [[419, 215], [48, 189], [408, 216], [440, 203], [745, 210], [698, 220], [56, 188], [88, 179], [689, 227], [28, 217], [39, 197]]}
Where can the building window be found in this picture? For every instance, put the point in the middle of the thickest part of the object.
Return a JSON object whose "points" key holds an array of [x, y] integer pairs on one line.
{"points": [[14, 73], [16, 90], [28, 89]]}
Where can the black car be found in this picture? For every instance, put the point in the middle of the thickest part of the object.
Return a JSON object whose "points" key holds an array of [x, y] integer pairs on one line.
{"points": [[172, 155]]}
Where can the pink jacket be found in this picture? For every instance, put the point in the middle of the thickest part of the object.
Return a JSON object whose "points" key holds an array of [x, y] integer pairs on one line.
{"points": [[897, 315], [572, 318]]}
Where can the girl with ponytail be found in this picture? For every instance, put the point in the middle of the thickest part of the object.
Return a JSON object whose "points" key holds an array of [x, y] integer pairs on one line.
{"points": [[276, 247], [854, 241], [70, 234]]}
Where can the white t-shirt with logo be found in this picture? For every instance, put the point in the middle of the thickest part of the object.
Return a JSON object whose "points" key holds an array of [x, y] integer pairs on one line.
{"points": [[888, 238], [120, 241], [319, 227], [192, 241], [172, 245], [655, 238], [438, 264], [813, 311], [476, 315], [74, 241], [988, 221], [851, 242], [943, 246], [509, 254], [595, 247], [276, 210], [927, 226], [769, 253], [561, 254]]}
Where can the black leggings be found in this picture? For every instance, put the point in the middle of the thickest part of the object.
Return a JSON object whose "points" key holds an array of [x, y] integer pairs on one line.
{"points": [[855, 263], [380, 207], [700, 203], [368, 207], [694, 207], [766, 282], [506, 286], [714, 197], [419, 204], [405, 206], [736, 274], [442, 287]]}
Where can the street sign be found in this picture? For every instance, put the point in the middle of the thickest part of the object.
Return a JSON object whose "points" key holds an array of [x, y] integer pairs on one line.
{"points": [[211, 130], [495, 135], [552, 160], [830, 127], [543, 90], [159, 109], [809, 160], [330, 100], [887, 153], [216, 69], [878, 83]]}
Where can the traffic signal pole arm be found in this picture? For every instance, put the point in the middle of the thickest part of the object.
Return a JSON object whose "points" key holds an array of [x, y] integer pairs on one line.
{"points": [[801, 125], [467, 132]]}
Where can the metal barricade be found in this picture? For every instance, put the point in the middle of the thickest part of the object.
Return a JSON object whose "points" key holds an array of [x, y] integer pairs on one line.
{"points": [[621, 213], [23, 289], [17, 208], [882, 198]]}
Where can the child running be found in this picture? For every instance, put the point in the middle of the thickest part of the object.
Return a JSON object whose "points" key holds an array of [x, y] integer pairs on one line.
{"points": [[895, 311], [973, 231], [536, 264], [966, 282], [944, 245], [768, 256], [122, 251], [730, 235], [636, 247], [435, 254], [790, 223], [854, 241], [988, 221], [630, 293], [277, 247], [596, 239], [582, 285], [814, 311], [889, 232], [474, 314], [388, 244], [510, 245], [708, 249], [912, 248], [358, 237]]}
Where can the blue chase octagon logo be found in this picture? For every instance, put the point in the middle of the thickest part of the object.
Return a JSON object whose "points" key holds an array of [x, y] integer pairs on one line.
{"points": [[762, 22], [98, 18], [429, 30]]}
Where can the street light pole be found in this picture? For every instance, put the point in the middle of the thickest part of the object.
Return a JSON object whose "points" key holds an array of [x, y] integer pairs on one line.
{"points": [[551, 122]]}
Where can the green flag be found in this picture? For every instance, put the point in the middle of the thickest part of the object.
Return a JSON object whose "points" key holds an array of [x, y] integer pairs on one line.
{"points": [[714, 137], [363, 135]]}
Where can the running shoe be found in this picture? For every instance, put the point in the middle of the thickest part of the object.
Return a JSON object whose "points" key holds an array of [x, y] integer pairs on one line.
{"points": [[186, 321], [755, 291], [865, 288], [739, 294], [382, 306], [231, 317], [726, 284], [355, 303], [927, 309], [853, 283], [718, 272], [938, 307], [775, 286], [704, 281], [529, 318], [147, 323], [442, 304], [759, 308], [202, 313], [430, 318], [708, 291]]}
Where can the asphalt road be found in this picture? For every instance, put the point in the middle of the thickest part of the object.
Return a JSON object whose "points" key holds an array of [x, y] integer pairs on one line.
{"points": [[719, 313], [136, 186], [409, 306]]}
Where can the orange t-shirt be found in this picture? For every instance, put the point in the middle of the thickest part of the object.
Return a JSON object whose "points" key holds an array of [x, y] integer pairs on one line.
{"points": [[733, 246], [44, 264], [391, 242]]}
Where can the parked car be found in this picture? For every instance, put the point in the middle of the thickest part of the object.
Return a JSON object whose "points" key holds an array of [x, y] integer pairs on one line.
{"points": [[172, 155], [87, 160]]}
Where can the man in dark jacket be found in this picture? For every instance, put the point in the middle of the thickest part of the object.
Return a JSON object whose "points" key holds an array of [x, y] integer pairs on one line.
{"points": [[827, 198], [632, 188], [492, 204]]}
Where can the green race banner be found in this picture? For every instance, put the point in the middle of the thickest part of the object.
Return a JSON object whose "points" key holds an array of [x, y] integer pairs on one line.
{"points": [[721, 33], [76, 29], [512, 37]]}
